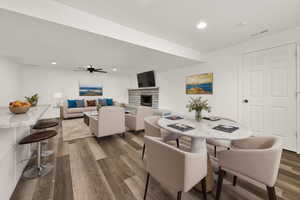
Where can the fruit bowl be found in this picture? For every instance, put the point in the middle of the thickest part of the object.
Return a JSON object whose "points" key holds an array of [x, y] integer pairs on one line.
{"points": [[19, 107]]}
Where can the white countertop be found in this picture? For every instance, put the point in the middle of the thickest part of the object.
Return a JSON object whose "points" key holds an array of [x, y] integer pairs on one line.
{"points": [[10, 120]]}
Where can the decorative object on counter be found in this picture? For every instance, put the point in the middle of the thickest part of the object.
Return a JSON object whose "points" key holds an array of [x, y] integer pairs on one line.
{"points": [[19, 107], [198, 105], [199, 84], [33, 100]]}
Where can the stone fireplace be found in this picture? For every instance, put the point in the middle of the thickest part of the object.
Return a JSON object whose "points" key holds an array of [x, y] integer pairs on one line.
{"points": [[144, 96]]}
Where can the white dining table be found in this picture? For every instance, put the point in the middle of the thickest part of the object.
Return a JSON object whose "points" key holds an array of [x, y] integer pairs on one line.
{"points": [[203, 130]]}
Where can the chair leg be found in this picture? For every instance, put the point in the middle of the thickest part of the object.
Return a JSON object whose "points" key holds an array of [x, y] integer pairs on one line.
{"points": [[179, 195], [203, 184], [220, 183], [271, 193], [177, 142], [234, 180], [215, 151], [123, 135], [146, 188], [143, 153]]}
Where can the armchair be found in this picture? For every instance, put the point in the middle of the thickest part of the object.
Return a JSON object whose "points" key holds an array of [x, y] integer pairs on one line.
{"points": [[110, 121], [135, 122]]}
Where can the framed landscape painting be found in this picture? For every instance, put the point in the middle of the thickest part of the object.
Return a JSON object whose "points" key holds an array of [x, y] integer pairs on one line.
{"points": [[90, 90], [199, 84]]}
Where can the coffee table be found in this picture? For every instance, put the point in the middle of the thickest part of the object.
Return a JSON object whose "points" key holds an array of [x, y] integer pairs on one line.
{"points": [[87, 115]]}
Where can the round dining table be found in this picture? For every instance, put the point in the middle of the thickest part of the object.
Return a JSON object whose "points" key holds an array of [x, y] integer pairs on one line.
{"points": [[199, 132]]}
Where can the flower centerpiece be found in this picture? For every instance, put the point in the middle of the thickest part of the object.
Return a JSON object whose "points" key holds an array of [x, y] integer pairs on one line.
{"points": [[33, 100], [198, 105]]}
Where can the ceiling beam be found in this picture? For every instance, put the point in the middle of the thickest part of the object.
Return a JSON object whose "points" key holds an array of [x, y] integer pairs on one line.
{"points": [[62, 14]]}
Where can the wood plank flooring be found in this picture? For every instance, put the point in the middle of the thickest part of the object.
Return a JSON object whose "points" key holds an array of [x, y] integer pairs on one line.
{"points": [[111, 168]]}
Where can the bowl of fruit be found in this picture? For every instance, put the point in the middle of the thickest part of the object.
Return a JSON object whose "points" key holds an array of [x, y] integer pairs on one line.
{"points": [[19, 107]]}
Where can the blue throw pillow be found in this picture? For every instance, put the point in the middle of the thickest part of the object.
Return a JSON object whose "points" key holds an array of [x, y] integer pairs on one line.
{"points": [[80, 103], [102, 102], [109, 102], [72, 104]]}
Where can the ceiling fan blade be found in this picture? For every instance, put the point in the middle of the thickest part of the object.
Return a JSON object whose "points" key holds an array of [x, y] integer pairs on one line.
{"points": [[101, 71], [98, 69]]}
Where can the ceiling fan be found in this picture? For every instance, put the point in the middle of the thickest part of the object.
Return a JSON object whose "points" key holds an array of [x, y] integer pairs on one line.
{"points": [[91, 69]]}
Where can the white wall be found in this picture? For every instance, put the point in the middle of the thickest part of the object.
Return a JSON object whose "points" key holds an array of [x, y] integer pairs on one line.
{"points": [[225, 65], [9, 81], [47, 81]]}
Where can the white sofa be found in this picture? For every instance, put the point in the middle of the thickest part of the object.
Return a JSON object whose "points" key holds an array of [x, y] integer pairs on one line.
{"points": [[75, 112], [110, 121]]}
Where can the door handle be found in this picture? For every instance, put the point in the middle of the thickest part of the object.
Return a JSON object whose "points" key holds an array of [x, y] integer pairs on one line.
{"points": [[246, 101]]}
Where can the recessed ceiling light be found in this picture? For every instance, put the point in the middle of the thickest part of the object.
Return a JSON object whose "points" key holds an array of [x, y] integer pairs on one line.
{"points": [[114, 69], [201, 25], [53, 63]]}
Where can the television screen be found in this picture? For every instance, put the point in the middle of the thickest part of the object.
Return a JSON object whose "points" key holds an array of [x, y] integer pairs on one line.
{"points": [[146, 79]]}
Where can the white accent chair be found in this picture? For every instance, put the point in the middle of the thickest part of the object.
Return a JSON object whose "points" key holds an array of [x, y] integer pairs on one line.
{"points": [[257, 158], [173, 167], [153, 130], [110, 121], [135, 121]]}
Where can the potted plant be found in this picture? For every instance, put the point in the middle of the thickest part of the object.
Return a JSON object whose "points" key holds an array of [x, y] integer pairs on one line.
{"points": [[198, 105], [33, 100]]}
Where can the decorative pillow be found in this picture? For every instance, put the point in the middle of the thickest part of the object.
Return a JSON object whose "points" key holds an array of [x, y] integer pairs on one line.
{"points": [[72, 104], [102, 102], [80, 103], [109, 102], [91, 102]]}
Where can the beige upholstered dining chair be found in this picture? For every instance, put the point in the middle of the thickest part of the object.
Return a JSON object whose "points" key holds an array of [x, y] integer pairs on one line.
{"points": [[153, 130], [220, 143], [173, 167], [257, 158], [135, 121], [110, 121]]}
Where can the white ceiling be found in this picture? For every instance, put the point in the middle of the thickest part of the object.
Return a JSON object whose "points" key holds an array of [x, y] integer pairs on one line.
{"points": [[33, 41], [175, 20]]}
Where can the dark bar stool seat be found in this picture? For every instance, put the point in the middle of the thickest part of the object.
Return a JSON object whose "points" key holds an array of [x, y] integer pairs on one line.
{"points": [[39, 170], [44, 124]]}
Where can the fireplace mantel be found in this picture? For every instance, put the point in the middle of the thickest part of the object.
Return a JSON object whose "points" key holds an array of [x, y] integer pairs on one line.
{"points": [[144, 88]]}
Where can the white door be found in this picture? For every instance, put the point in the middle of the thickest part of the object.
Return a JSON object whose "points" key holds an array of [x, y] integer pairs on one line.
{"points": [[269, 93]]}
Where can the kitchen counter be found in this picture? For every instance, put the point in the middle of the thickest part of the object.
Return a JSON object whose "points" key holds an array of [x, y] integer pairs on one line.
{"points": [[14, 157], [10, 120]]}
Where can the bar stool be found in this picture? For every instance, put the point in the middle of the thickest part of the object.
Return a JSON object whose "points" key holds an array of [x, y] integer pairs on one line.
{"points": [[39, 169], [43, 125]]}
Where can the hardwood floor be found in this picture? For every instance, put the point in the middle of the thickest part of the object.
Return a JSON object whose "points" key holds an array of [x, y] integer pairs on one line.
{"points": [[111, 168]]}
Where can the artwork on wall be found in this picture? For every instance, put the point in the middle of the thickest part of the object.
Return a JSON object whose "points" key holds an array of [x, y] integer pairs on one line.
{"points": [[199, 84], [90, 90]]}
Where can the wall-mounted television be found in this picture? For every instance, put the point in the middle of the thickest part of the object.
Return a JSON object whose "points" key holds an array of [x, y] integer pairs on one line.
{"points": [[146, 79]]}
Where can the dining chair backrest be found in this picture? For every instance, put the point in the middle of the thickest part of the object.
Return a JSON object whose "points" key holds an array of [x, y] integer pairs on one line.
{"points": [[151, 127], [173, 167], [256, 157]]}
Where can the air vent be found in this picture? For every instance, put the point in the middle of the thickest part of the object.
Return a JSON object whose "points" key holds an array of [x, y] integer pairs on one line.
{"points": [[260, 33]]}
